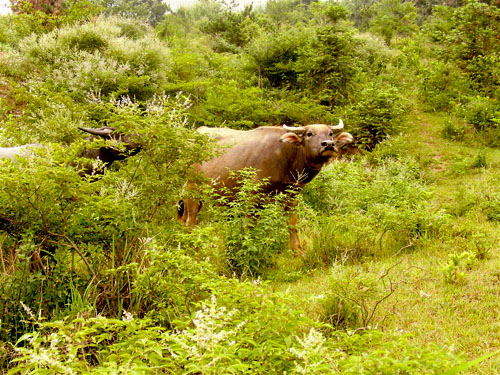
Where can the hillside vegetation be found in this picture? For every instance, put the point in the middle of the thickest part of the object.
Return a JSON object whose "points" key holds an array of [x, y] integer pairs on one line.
{"points": [[402, 263]]}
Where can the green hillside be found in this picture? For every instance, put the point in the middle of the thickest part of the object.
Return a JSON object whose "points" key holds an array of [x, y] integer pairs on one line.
{"points": [[401, 262]]}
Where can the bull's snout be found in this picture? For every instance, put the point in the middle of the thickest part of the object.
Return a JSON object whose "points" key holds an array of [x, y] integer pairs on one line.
{"points": [[327, 144]]}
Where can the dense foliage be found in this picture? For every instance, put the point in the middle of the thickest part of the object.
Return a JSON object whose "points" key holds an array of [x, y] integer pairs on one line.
{"points": [[97, 275]]}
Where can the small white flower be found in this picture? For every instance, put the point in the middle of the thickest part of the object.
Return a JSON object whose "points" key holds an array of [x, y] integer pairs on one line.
{"points": [[127, 317]]}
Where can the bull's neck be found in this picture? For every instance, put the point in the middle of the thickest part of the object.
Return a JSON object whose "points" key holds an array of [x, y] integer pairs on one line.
{"points": [[301, 171]]}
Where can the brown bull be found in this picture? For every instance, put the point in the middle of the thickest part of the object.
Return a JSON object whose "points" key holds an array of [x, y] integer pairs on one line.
{"points": [[288, 157]]}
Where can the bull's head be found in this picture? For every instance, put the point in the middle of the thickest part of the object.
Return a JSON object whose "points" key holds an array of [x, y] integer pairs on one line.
{"points": [[125, 146], [320, 142]]}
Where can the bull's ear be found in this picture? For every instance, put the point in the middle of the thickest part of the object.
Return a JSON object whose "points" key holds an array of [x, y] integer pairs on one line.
{"points": [[291, 138], [343, 138]]}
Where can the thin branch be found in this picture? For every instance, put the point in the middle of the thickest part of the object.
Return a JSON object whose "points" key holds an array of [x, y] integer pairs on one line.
{"points": [[74, 247], [403, 248]]}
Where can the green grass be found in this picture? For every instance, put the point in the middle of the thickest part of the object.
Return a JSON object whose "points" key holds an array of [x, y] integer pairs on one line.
{"points": [[461, 314]]}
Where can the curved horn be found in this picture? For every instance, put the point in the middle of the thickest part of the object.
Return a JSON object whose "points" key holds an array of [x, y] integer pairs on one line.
{"points": [[338, 127], [102, 132], [294, 129]]}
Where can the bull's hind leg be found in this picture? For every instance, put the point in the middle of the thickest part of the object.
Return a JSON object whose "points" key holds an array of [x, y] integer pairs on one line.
{"points": [[291, 210], [294, 236]]}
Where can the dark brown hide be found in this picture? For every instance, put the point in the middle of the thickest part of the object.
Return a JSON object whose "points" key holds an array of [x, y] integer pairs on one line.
{"points": [[108, 154]]}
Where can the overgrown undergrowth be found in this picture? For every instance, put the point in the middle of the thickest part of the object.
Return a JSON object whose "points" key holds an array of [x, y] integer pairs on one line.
{"points": [[401, 245]]}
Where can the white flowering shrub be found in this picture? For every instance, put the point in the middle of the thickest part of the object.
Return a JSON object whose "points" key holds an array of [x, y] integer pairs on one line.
{"points": [[219, 340], [210, 344], [109, 58], [313, 355]]}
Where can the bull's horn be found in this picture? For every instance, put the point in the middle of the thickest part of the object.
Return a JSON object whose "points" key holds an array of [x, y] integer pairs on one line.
{"points": [[338, 127], [103, 132], [294, 129]]}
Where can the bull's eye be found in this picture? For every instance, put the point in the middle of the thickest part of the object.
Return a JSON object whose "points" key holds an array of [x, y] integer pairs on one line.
{"points": [[309, 134], [331, 134]]}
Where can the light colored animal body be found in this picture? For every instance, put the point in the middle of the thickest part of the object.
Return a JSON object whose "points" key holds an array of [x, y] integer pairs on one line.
{"points": [[105, 154], [19, 151]]}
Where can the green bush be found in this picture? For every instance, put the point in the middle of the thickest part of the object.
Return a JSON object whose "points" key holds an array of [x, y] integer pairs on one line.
{"points": [[325, 68], [483, 113], [104, 58], [354, 296], [453, 131], [51, 214], [387, 203], [272, 55], [377, 114], [13, 29], [294, 109], [254, 228], [256, 333], [442, 86], [234, 107], [171, 283]]}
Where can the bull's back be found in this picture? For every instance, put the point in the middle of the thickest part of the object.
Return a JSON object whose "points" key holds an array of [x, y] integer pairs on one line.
{"points": [[17, 151], [259, 148]]}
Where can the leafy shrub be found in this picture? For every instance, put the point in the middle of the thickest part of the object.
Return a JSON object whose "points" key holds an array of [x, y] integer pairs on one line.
{"points": [[272, 55], [325, 68], [483, 113], [151, 11], [50, 214], [349, 240], [295, 110], [234, 107], [57, 226], [484, 73], [375, 56], [453, 131], [393, 18], [171, 283], [442, 85], [29, 284], [354, 295], [255, 334], [467, 35], [98, 58], [453, 271], [13, 29], [254, 228], [389, 198], [377, 114], [362, 211]]}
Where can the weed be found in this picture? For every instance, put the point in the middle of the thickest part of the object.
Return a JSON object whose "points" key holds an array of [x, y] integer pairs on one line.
{"points": [[454, 270], [453, 131]]}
